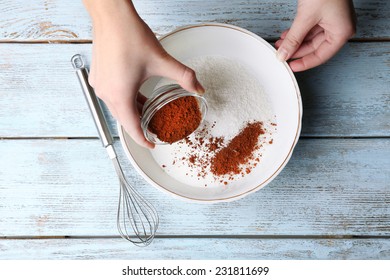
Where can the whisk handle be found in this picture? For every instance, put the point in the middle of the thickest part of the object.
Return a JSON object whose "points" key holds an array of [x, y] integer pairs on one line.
{"points": [[92, 100]]}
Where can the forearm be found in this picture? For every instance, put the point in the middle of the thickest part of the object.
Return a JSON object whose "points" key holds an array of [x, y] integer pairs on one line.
{"points": [[103, 10]]}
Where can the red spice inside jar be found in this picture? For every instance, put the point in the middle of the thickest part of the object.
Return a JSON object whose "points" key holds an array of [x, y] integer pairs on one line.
{"points": [[176, 120]]}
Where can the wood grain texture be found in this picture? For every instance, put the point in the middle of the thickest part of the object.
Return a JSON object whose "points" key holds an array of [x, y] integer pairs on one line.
{"points": [[192, 248], [57, 187], [47, 20], [69, 188], [41, 96], [349, 95], [58, 20]]}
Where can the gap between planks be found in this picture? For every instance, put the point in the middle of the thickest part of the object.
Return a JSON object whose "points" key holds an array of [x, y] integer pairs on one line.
{"points": [[280, 237]]}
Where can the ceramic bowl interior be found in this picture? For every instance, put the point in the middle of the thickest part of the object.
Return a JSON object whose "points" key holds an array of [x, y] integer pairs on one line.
{"points": [[278, 83]]}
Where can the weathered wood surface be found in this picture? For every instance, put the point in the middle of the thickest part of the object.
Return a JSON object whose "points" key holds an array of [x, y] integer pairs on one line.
{"points": [[58, 20], [41, 96], [332, 201], [68, 187], [196, 248]]}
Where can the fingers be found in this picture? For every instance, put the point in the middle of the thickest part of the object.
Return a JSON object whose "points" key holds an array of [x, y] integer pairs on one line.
{"points": [[125, 111], [129, 118], [310, 36], [324, 52], [294, 37], [317, 48], [185, 76], [309, 46]]}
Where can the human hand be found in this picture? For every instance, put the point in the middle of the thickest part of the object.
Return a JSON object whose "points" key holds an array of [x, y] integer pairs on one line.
{"points": [[125, 53], [319, 30]]}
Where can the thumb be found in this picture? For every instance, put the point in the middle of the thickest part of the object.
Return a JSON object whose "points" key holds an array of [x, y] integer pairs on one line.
{"points": [[183, 75], [294, 38]]}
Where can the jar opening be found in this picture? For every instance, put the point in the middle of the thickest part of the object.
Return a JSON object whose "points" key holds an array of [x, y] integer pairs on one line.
{"points": [[171, 114]]}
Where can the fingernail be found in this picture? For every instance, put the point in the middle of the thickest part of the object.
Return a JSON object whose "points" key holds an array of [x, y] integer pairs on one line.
{"points": [[282, 54], [199, 88]]}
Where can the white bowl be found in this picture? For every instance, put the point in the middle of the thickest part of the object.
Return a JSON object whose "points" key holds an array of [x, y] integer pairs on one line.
{"points": [[278, 83]]}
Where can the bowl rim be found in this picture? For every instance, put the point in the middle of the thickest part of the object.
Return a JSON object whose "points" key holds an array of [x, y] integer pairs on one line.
{"points": [[263, 183]]}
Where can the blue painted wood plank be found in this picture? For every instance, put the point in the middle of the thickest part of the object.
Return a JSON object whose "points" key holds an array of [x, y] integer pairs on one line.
{"points": [[69, 187], [61, 187], [197, 248], [60, 21], [41, 96], [350, 94]]}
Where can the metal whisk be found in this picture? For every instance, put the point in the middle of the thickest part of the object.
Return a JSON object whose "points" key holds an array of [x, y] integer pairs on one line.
{"points": [[135, 214]]}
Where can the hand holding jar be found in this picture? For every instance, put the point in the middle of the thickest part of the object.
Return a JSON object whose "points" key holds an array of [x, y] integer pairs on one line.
{"points": [[126, 53]]}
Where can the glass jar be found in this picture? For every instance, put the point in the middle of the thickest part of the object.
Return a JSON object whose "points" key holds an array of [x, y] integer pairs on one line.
{"points": [[162, 96]]}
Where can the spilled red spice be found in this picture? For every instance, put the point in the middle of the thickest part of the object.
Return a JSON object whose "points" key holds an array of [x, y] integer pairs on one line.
{"points": [[176, 120], [192, 159], [202, 142], [225, 160], [238, 151]]}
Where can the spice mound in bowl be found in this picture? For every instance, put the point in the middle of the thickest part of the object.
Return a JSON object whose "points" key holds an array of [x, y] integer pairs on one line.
{"points": [[176, 120], [231, 158]]}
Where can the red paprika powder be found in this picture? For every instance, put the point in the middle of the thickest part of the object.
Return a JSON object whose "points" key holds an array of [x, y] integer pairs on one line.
{"points": [[176, 120], [238, 151]]}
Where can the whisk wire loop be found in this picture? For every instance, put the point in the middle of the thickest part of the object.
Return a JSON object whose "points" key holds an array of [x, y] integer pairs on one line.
{"points": [[134, 213]]}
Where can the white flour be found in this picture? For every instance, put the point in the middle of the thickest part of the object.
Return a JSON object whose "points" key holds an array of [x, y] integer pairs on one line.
{"points": [[234, 98]]}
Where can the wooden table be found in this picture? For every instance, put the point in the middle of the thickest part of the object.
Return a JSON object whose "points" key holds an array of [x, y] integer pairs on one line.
{"points": [[58, 189]]}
